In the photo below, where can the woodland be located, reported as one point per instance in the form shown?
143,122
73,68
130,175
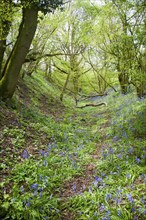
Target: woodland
72,109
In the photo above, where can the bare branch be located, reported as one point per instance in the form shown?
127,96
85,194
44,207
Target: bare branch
97,71
61,70
92,105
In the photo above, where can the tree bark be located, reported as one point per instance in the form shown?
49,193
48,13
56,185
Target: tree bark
2,50
124,82
14,64
64,87
5,25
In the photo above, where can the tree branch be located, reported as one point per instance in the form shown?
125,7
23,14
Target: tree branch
32,58
92,105
101,75
61,70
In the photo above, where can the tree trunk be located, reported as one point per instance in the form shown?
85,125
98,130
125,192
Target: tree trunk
6,17
5,26
124,82
17,57
2,50
64,87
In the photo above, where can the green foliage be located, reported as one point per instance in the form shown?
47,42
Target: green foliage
117,191
46,143
56,149
129,116
67,146
57,161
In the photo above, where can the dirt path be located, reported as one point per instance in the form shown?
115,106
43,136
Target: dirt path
80,184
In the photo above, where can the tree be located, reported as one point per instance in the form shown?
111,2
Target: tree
127,44
6,16
13,65
69,40
120,42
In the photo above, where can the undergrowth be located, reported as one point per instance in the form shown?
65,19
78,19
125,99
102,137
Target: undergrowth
50,150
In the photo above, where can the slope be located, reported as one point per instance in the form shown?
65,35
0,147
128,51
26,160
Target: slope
60,162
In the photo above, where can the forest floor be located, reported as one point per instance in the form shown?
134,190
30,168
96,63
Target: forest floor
60,162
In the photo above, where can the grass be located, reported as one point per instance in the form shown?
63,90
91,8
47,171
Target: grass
48,149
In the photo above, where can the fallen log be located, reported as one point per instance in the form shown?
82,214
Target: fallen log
92,105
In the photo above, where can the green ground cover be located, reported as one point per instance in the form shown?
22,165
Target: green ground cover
46,146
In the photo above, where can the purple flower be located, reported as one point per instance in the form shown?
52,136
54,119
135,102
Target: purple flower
118,200
42,152
28,204
25,154
131,150
45,163
108,196
34,186
62,154
119,156
104,154
41,194
111,150
103,185
98,179
133,209
130,198
137,160
108,215
119,191
74,187
128,176
102,208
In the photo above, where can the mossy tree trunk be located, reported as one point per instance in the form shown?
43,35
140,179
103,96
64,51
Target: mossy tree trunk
64,87
6,17
2,50
17,57
124,82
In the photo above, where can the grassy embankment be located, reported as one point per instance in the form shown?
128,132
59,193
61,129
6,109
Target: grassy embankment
60,162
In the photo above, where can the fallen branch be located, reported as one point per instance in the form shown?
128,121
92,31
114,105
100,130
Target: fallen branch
84,97
92,105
